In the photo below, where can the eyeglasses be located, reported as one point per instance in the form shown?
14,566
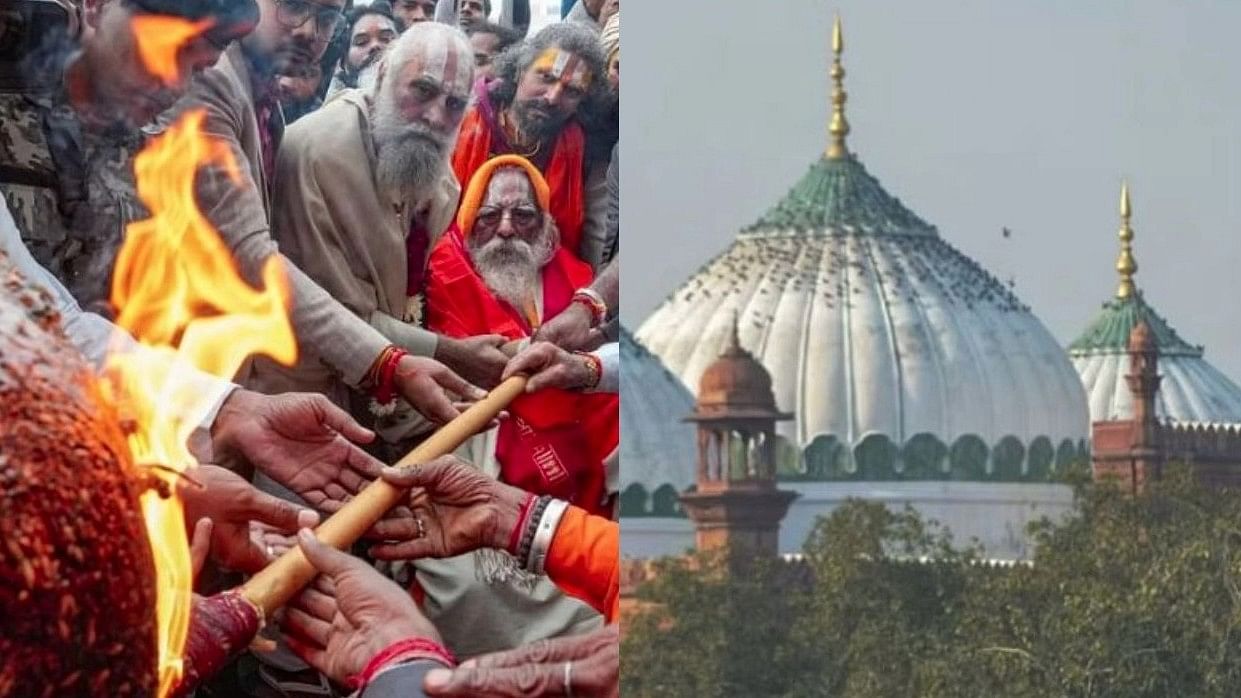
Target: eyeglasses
524,218
329,21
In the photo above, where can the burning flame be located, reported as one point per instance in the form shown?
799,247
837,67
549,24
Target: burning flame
181,296
160,38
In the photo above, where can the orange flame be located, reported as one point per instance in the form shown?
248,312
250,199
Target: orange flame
160,38
179,293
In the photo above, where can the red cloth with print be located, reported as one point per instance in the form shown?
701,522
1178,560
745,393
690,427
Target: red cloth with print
556,440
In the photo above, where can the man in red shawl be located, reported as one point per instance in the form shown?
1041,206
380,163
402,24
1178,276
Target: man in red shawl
501,270
534,107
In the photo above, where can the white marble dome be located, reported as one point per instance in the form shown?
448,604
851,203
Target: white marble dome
900,356
658,450
1191,389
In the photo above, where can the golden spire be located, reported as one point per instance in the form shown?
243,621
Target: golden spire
839,126
1126,265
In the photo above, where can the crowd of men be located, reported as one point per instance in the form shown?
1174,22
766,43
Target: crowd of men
440,187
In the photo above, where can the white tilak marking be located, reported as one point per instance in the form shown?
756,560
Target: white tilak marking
558,66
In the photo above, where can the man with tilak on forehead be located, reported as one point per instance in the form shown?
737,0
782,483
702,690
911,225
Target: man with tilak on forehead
533,107
362,191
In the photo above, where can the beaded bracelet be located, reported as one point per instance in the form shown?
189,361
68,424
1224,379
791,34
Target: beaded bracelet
532,524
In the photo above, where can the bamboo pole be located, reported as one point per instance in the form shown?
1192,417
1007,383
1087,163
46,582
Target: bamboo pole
275,584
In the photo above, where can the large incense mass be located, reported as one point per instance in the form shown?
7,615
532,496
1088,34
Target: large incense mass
77,584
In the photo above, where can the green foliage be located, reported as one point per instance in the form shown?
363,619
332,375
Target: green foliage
1130,596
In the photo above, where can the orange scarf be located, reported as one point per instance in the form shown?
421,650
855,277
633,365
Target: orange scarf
556,440
563,173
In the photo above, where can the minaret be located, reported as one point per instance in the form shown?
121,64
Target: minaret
838,128
736,506
1130,450
1143,380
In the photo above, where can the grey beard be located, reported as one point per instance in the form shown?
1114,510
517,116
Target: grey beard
410,162
511,268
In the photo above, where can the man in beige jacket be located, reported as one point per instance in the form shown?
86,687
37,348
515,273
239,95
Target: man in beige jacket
363,190
239,98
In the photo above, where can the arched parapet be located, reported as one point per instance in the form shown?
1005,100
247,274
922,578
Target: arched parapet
634,501
1007,458
665,502
924,457
1039,460
876,457
967,458
821,458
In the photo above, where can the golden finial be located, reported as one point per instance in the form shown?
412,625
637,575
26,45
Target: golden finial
839,126
1126,265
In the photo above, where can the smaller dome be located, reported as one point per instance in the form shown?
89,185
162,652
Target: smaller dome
658,448
736,384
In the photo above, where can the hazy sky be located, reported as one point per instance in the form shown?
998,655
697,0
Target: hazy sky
977,115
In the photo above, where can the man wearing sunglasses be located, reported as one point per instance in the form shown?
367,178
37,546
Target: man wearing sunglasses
240,100
503,270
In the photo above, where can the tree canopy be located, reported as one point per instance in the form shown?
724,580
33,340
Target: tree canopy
1130,595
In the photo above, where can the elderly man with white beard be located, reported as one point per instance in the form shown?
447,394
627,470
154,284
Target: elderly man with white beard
362,191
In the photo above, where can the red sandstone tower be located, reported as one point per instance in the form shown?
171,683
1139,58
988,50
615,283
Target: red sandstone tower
1143,380
1130,450
736,505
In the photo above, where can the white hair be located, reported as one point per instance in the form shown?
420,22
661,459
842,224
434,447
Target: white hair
412,156
425,38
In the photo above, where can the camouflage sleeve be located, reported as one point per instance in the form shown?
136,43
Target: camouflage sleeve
89,333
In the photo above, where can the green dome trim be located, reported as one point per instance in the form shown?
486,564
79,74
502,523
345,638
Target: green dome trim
1109,333
839,195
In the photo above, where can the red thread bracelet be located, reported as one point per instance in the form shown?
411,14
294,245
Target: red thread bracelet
514,538
402,651
384,392
598,311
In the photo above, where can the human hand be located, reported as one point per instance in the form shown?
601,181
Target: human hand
231,503
570,329
549,366
460,509
350,614
423,382
200,545
538,669
477,359
271,540
300,440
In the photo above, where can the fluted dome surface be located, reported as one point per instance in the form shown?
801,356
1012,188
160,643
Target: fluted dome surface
870,323
657,445
1192,390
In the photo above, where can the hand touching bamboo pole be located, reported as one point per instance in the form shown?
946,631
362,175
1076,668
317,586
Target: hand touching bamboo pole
272,587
